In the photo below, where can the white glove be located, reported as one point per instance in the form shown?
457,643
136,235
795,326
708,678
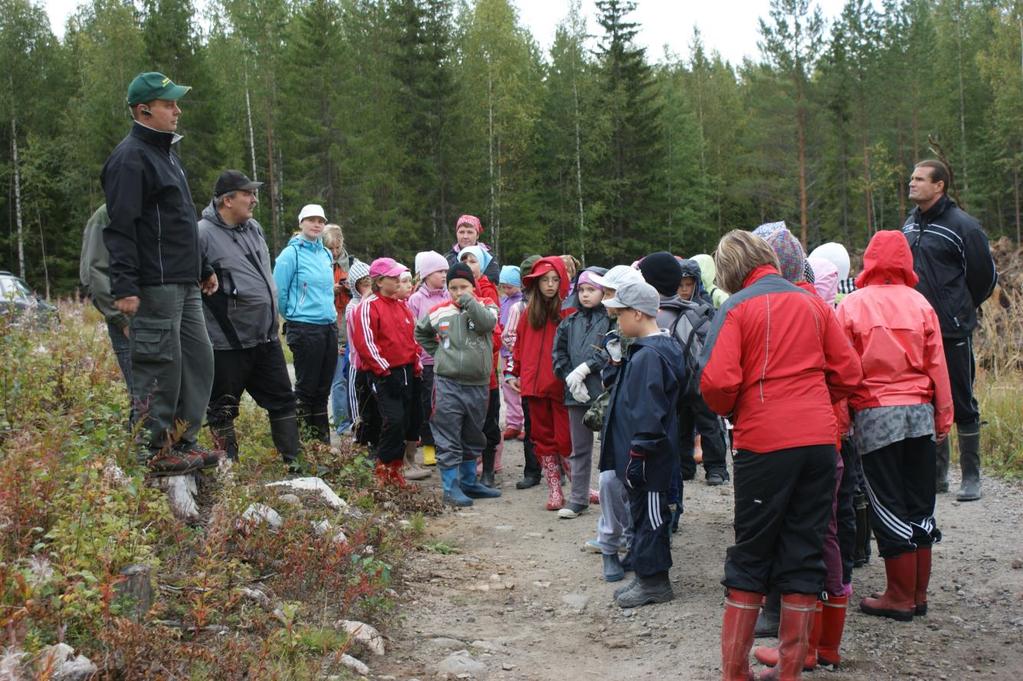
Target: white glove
614,350
576,382
579,393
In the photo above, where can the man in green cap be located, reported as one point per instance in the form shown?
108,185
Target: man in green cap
156,273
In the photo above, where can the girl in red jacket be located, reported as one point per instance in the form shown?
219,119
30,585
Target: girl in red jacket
775,356
902,407
383,338
533,370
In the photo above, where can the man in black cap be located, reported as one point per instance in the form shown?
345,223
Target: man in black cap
242,320
156,274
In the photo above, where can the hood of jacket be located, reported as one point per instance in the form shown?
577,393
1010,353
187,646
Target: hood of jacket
691,268
825,278
887,260
708,270
545,265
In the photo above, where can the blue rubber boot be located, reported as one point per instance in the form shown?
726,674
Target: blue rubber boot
452,492
469,484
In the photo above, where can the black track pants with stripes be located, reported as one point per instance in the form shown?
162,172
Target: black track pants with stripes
900,486
651,532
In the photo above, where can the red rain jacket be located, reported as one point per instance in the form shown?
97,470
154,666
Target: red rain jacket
896,333
382,334
776,361
533,355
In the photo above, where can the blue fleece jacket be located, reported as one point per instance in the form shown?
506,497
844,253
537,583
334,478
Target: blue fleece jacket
305,282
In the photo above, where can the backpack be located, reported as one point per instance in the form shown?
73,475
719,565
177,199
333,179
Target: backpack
699,319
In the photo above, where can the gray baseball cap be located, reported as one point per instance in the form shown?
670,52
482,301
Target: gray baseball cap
636,295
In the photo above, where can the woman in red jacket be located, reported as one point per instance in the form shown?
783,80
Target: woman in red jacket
774,362
533,370
902,407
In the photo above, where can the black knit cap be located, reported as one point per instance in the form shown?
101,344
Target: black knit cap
662,271
461,271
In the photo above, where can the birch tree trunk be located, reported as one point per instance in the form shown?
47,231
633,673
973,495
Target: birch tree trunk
17,196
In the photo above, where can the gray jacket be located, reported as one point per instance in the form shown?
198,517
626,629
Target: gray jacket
94,268
580,338
243,311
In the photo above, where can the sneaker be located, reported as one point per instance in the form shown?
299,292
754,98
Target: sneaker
593,546
716,477
647,590
174,463
211,458
572,511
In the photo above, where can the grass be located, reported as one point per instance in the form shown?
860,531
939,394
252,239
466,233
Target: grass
68,529
1001,406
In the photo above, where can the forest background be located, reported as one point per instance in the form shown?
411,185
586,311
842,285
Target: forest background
400,115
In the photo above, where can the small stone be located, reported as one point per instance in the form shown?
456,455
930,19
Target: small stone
317,485
1017,564
290,499
460,663
507,666
258,514
358,666
576,601
365,634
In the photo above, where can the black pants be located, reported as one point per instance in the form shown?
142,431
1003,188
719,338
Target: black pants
492,423
651,532
314,348
782,509
397,397
961,372
846,514
531,468
697,416
367,415
426,405
263,373
900,486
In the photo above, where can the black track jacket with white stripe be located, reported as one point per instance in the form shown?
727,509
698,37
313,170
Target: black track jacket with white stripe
952,257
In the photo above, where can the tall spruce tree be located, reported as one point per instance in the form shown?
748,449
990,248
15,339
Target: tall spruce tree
630,186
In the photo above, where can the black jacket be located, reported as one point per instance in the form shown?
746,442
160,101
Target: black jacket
642,414
152,237
952,257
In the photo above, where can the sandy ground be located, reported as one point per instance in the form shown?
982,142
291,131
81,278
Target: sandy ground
528,603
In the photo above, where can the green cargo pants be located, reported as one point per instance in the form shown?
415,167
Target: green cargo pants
172,364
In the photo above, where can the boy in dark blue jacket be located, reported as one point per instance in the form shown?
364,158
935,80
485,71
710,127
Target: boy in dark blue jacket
641,438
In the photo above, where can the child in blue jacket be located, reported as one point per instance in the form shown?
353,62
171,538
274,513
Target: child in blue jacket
641,436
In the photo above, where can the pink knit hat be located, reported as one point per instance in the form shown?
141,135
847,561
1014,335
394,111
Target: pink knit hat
428,262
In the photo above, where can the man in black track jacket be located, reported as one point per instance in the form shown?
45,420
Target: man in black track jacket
952,257
156,272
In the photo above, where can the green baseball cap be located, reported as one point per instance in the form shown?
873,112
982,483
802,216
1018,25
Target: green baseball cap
152,85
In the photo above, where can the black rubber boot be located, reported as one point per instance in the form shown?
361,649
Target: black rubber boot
861,554
284,432
941,469
487,476
652,589
969,462
769,617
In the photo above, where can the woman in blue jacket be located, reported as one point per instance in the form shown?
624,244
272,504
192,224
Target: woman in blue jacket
305,295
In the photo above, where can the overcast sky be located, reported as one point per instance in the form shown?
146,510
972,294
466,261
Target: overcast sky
728,26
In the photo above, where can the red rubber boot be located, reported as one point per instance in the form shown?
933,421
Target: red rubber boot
798,612
832,626
769,656
552,470
923,579
741,610
898,600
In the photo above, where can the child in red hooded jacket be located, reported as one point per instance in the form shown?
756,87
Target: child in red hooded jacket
902,409
533,370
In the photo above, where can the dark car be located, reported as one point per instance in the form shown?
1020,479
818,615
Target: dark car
19,303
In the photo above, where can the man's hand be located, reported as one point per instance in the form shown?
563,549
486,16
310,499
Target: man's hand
126,331
209,285
940,437
128,305
635,470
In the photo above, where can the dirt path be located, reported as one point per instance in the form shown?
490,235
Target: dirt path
528,603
